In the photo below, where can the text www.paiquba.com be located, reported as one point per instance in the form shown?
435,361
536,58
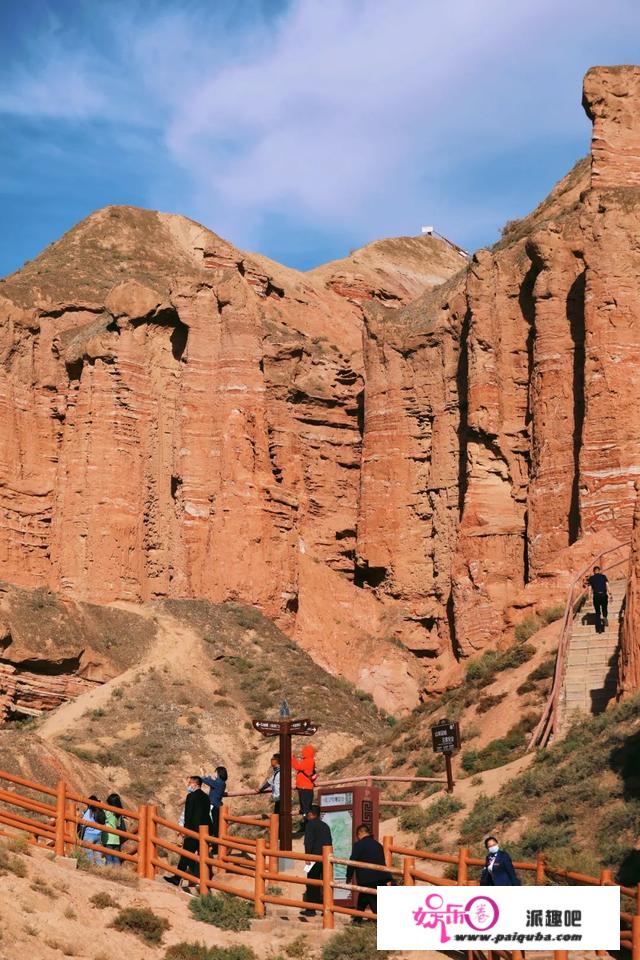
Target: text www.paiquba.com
518,937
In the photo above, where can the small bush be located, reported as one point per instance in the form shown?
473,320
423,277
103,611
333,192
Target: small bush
483,667
551,614
17,845
418,819
516,655
198,951
40,886
500,751
223,910
11,864
143,923
355,943
298,949
544,670
489,701
527,627
103,900
483,670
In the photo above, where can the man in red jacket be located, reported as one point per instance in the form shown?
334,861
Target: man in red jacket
305,781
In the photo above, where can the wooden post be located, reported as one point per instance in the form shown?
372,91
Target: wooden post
61,810
273,842
70,833
606,879
223,831
635,938
152,813
141,865
447,760
285,785
463,869
387,843
516,955
258,893
540,869
328,919
203,853
407,872
561,954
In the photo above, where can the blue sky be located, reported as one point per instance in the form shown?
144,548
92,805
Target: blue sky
297,128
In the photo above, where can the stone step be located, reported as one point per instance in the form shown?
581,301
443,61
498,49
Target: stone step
589,683
592,658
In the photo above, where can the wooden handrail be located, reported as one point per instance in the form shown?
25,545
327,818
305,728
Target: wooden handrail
546,726
267,857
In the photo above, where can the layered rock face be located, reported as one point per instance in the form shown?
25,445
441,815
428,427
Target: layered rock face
383,454
629,653
538,354
182,420
52,651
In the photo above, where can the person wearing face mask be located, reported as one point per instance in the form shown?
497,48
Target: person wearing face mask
196,813
498,869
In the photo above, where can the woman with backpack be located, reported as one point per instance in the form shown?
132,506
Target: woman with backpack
306,777
91,830
116,820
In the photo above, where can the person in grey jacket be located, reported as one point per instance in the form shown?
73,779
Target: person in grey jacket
272,783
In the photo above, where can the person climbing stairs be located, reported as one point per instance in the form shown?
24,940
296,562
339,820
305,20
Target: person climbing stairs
591,673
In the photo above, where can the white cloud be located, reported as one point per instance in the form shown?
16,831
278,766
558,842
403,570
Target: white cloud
333,111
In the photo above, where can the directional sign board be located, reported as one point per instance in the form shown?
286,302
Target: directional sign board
445,736
268,728
273,728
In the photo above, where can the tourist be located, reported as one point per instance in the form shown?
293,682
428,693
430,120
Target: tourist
272,783
305,782
367,849
316,836
498,869
217,789
91,830
601,593
117,821
196,813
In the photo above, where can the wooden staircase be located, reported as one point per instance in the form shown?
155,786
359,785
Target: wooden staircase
591,673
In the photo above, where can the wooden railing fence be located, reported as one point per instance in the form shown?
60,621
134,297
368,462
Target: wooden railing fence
245,865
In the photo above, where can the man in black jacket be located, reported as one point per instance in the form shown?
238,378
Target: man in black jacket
367,849
196,813
316,836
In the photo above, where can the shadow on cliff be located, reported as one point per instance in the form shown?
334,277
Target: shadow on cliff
625,761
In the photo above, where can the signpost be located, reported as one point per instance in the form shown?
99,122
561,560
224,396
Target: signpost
285,728
445,736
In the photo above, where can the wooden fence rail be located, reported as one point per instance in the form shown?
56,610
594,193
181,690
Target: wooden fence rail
258,859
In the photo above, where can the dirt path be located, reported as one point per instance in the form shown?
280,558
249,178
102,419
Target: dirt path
171,637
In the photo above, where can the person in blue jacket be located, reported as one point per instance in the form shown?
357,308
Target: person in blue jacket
498,869
217,788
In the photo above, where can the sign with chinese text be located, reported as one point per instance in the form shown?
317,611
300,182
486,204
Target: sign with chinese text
445,736
499,918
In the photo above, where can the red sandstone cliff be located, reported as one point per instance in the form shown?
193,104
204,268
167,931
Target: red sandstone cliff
181,419
497,424
184,420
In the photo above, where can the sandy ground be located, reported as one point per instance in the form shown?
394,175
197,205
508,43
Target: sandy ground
48,914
